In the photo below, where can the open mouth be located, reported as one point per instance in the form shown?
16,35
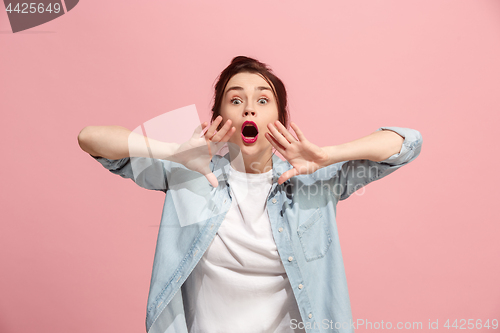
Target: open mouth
249,132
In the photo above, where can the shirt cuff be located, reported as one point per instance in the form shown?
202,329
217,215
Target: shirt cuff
410,148
111,164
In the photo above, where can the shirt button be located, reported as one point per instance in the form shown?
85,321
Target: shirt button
310,315
290,258
280,229
274,201
301,286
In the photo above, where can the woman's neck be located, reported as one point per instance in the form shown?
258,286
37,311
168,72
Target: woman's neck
258,163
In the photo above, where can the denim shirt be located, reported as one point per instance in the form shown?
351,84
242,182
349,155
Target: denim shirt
302,212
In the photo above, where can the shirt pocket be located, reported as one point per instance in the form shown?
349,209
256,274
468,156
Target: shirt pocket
314,236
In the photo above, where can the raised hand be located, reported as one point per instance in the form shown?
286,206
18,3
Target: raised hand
304,156
196,153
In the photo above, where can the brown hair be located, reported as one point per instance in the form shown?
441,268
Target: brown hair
249,65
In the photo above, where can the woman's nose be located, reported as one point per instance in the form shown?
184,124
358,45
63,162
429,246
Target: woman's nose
249,110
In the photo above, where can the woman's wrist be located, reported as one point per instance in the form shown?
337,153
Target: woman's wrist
333,155
141,146
164,150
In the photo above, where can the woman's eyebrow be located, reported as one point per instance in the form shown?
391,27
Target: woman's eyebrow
241,88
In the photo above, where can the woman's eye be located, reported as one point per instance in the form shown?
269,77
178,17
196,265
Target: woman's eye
262,101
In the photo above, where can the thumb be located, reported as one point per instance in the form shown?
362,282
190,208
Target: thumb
212,179
287,175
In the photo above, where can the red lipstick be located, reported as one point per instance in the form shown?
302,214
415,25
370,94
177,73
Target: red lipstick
252,132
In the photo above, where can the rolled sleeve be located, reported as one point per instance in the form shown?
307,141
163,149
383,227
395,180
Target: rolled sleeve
410,148
115,166
354,174
148,173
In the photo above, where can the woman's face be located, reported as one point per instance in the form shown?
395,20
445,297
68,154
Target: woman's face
248,100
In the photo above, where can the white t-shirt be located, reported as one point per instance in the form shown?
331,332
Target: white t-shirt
240,284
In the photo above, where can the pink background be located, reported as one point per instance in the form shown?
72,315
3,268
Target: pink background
77,242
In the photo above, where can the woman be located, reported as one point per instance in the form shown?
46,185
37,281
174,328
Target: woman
252,245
